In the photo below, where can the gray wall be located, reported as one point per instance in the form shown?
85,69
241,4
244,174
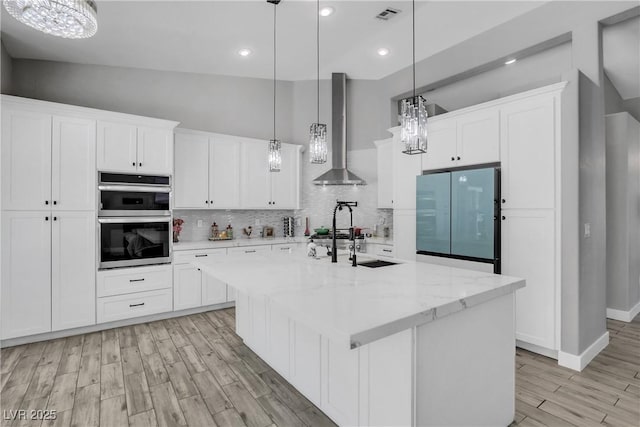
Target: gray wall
614,102
224,104
6,71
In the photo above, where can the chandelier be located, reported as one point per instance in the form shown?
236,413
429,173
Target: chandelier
275,148
413,113
318,131
71,19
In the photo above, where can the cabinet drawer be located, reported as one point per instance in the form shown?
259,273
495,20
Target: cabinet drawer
285,248
129,280
249,250
186,257
134,305
384,250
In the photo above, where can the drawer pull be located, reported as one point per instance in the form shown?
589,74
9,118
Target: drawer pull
136,280
386,250
249,252
136,305
201,255
284,249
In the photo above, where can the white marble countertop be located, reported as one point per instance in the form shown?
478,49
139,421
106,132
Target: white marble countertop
358,305
256,241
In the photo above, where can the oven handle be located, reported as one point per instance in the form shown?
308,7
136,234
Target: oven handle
135,188
133,219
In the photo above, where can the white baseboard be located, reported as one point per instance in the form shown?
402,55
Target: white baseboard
623,316
579,362
553,354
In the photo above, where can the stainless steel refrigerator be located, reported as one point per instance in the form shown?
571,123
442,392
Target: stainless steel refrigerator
457,214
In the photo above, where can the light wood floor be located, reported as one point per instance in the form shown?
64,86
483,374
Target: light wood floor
195,371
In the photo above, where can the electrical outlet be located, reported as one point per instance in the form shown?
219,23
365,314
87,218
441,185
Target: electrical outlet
200,223
587,230
257,221
299,222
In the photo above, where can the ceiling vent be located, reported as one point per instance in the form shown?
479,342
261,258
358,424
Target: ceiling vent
388,13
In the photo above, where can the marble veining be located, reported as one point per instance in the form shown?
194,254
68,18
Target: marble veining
358,305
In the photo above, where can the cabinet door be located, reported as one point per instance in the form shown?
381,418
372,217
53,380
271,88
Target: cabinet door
385,173
527,152
73,270
441,144
116,147
528,251
406,169
187,287
213,290
305,362
285,185
26,273
255,179
340,382
73,165
155,151
224,173
404,234
278,354
26,160
191,178
478,137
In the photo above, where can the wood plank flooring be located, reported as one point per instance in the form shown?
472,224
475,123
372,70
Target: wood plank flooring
195,371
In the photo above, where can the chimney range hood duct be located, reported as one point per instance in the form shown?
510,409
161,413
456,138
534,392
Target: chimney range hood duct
339,174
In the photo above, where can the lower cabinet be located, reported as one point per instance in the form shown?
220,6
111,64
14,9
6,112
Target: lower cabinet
192,288
48,271
138,304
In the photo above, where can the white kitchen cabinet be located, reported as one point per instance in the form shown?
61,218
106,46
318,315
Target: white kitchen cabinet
384,154
478,137
26,273
305,362
404,234
207,171
26,160
528,135
187,287
442,139
119,281
262,189
224,173
340,382
249,250
528,251
127,148
128,306
379,249
406,167
73,270
73,164
279,342
213,291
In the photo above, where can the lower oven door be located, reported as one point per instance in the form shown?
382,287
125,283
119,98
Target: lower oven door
133,241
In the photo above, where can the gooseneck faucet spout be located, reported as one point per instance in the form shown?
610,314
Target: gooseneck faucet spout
334,249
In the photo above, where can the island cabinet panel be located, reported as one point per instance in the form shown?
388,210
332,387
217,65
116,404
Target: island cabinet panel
305,361
258,325
279,342
340,382
471,352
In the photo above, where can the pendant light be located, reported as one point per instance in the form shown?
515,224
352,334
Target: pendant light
413,112
318,131
71,19
275,147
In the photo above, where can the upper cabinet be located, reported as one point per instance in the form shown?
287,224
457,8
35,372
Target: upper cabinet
48,161
262,189
125,147
385,172
207,173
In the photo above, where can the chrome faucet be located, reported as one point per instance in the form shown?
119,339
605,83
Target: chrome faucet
352,236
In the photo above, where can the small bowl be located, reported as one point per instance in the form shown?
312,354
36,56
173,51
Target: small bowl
321,231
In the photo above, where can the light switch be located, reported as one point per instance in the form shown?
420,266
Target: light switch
200,223
587,230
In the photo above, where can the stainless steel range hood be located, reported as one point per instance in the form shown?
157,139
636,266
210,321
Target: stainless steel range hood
339,174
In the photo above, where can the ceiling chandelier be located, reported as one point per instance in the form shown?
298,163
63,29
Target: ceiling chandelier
413,112
71,19
318,131
275,147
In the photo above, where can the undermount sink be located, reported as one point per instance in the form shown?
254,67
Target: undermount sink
376,263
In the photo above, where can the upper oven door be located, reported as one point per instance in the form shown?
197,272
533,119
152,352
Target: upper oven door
127,200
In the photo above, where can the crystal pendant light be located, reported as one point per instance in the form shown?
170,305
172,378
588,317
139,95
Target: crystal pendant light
275,153
72,19
413,112
318,131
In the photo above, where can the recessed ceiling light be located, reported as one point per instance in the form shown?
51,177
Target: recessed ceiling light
244,52
326,11
383,51
511,61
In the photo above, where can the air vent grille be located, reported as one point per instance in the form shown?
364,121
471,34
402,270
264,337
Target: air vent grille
388,13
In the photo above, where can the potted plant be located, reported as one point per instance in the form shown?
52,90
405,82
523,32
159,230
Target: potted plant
177,228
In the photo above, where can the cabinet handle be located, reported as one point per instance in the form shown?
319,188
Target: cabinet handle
136,280
46,218
55,218
273,203
140,164
269,202
386,250
201,255
199,270
55,202
206,201
211,202
453,158
136,305
504,201
284,249
458,157
46,202
249,252
133,164
504,217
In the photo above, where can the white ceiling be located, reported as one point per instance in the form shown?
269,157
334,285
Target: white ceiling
621,56
204,36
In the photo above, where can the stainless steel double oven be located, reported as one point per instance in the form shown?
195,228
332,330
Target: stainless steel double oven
134,220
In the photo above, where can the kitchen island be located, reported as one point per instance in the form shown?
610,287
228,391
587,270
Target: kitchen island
406,344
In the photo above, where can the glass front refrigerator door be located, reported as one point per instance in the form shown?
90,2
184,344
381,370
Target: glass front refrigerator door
433,208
